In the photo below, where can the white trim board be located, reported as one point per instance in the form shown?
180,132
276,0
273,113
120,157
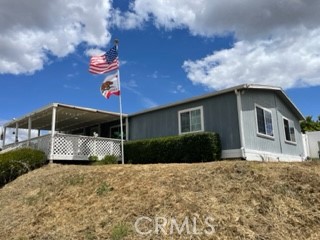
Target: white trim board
254,155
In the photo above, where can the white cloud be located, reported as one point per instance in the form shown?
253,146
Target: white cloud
30,30
276,42
179,89
148,102
71,87
72,75
123,62
94,52
132,86
290,61
155,75
246,18
127,20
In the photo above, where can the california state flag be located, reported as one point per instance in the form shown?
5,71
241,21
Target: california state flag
110,86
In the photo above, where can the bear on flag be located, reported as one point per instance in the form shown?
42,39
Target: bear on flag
110,86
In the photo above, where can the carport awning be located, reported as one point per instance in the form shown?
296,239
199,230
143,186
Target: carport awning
68,118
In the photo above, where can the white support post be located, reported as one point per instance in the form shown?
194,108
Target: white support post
53,129
29,130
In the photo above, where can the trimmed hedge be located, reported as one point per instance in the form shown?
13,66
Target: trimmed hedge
189,148
20,161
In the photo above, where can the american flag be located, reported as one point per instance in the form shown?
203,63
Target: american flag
104,63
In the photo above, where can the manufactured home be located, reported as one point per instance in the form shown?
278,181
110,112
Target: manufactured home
255,122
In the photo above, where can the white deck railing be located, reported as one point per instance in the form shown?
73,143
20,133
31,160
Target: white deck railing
41,143
71,147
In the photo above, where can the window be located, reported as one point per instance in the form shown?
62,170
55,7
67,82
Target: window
115,131
289,130
191,120
264,121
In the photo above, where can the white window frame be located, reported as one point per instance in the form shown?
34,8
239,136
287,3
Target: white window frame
291,124
257,124
190,110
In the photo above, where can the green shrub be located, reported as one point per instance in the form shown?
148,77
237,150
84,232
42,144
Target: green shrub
189,148
120,231
108,159
17,162
93,158
103,189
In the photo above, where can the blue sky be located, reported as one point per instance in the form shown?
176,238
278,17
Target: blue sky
169,50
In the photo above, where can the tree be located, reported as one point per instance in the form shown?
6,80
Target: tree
309,125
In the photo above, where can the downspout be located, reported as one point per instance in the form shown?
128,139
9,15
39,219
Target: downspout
127,128
278,125
239,108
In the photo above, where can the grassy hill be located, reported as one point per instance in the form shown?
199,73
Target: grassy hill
242,200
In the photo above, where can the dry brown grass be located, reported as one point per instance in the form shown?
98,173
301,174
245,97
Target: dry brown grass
247,200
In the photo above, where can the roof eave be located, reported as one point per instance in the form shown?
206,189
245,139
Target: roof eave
227,90
12,123
212,94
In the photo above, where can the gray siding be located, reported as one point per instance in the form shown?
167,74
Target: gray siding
220,116
271,101
288,148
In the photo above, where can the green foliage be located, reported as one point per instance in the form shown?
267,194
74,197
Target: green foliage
89,233
309,125
108,159
93,158
119,231
20,161
103,189
75,180
189,148
34,198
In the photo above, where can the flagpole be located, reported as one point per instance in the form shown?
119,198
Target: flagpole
116,42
